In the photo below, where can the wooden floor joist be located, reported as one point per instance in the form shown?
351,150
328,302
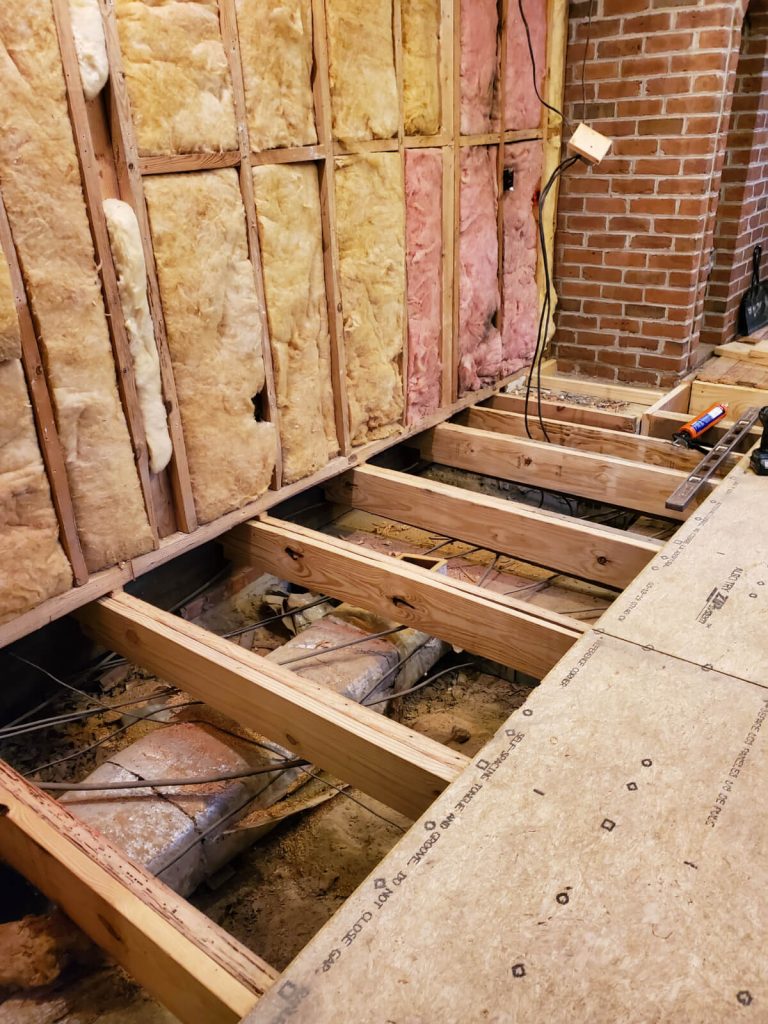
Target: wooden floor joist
401,768
190,964
511,632
598,477
596,553
636,447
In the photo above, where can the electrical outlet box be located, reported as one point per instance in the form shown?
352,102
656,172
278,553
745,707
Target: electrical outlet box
588,143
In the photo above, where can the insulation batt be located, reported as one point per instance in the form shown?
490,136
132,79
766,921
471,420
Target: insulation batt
33,565
521,105
521,294
371,233
42,191
479,339
90,45
276,52
288,213
421,66
424,244
177,76
214,332
479,27
128,255
361,57
10,339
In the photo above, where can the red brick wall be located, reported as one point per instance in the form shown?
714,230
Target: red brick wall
742,214
635,233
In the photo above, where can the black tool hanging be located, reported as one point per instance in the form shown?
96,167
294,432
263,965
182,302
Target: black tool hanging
753,310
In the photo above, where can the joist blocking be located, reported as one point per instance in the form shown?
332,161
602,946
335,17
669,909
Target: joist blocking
634,447
598,477
404,770
198,971
581,549
511,632
568,412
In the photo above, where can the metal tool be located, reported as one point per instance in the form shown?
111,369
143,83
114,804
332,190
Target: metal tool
682,496
758,460
691,432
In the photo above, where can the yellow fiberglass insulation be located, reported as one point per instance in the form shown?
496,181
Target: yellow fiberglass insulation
288,213
371,233
214,332
10,340
421,66
42,191
177,76
33,565
362,69
276,51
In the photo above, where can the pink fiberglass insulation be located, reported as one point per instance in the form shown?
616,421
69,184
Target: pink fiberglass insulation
479,27
479,339
521,105
521,297
424,243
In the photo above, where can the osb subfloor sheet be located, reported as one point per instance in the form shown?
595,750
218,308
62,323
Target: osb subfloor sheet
604,857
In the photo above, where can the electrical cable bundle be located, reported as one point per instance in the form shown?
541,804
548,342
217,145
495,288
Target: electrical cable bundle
546,306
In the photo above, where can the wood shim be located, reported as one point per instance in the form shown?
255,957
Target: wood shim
44,199
214,335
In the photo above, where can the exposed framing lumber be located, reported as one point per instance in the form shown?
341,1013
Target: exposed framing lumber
636,447
663,424
321,91
602,478
89,172
42,409
189,162
567,411
401,768
128,164
739,399
190,964
511,632
397,39
176,544
599,554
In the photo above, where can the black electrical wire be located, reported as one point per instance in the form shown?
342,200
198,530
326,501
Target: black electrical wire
423,683
10,732
173,783
542,101
544,317
110,736
584,63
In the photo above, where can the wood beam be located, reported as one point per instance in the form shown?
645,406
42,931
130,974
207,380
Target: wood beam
181,957
663,424
598,477
635,447
511,632
404,770
567,411
596,553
